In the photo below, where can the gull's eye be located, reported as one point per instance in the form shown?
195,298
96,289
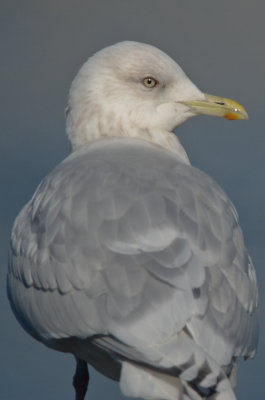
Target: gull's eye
149,82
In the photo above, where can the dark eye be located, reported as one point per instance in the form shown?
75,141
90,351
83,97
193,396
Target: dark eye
149,82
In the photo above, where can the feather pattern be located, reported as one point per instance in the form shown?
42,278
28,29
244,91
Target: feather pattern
148,268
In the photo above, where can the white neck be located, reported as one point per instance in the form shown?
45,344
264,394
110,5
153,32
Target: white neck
82,129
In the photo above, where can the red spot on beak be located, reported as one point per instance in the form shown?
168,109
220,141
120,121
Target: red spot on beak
231,116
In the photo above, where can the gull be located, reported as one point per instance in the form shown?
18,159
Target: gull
127,256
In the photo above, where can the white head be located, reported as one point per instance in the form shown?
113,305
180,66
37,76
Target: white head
132,90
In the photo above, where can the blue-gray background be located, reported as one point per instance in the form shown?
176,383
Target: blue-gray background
220,44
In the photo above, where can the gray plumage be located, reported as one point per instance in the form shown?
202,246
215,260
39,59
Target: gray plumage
134,261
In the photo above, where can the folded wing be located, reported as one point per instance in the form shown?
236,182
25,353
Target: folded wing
126,245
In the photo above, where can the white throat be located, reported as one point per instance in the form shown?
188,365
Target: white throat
84,129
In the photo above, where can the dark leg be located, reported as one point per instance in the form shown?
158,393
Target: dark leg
80,379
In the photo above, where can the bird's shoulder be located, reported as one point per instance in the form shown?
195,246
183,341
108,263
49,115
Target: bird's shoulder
130,223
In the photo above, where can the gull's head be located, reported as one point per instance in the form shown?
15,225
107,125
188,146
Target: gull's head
135,90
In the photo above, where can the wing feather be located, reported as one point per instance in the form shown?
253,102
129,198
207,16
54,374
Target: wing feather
125,243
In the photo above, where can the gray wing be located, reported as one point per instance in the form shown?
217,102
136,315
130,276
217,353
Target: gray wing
124,243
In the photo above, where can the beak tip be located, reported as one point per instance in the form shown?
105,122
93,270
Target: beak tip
230,116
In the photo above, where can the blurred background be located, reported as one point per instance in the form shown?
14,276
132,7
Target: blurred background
220,45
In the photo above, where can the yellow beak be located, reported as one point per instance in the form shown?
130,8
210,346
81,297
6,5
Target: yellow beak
218,107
